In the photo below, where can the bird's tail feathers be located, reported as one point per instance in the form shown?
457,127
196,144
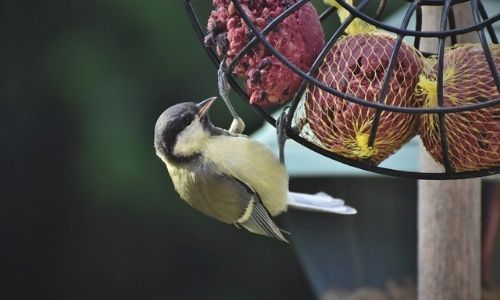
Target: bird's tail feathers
320,202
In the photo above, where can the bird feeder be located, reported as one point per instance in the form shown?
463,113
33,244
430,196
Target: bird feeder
441,110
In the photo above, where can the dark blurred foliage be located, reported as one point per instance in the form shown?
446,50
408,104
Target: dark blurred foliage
87,209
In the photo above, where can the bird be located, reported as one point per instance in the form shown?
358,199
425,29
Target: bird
229,176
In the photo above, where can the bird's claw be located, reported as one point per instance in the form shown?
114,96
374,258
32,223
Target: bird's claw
237,126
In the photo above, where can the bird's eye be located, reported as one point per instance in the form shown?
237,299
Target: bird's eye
187,119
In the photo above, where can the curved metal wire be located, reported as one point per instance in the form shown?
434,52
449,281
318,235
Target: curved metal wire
440,88
481,22
408,32
388,72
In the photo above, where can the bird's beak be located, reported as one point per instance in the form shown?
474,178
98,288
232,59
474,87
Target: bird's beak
204,106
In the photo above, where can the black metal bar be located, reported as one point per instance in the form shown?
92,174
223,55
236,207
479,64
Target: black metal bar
484,44
451,19
491,31
389,71
317,63
198,30
418,27
392,172
440,88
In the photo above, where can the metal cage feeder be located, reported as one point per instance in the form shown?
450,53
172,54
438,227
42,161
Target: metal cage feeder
483,26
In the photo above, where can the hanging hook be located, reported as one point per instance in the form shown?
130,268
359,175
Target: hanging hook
237,126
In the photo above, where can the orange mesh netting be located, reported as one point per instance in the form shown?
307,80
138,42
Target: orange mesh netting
356,66
474,136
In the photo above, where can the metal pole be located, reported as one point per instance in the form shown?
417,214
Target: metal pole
449,212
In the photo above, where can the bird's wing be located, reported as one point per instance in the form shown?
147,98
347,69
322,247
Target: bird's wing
218,195
260,222
228,199
256,218
255,165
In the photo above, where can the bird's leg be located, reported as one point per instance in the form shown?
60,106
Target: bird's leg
282,136
237,126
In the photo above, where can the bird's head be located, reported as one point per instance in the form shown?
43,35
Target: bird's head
182,130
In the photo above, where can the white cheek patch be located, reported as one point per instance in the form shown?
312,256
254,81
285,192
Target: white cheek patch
191,140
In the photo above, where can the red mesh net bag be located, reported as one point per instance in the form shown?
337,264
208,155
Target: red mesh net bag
299,37
356,65
473,136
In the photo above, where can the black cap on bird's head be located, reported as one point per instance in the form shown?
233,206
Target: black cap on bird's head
186,124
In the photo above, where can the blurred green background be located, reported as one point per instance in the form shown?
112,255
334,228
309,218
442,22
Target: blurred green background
88,210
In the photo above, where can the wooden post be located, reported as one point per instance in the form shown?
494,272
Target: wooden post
449,212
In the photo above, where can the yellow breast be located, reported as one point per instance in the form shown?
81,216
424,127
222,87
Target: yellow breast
252,163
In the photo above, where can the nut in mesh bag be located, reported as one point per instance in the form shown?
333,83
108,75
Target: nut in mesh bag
473,137
356,66
299,37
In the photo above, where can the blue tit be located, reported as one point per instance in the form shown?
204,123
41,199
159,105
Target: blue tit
228,176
